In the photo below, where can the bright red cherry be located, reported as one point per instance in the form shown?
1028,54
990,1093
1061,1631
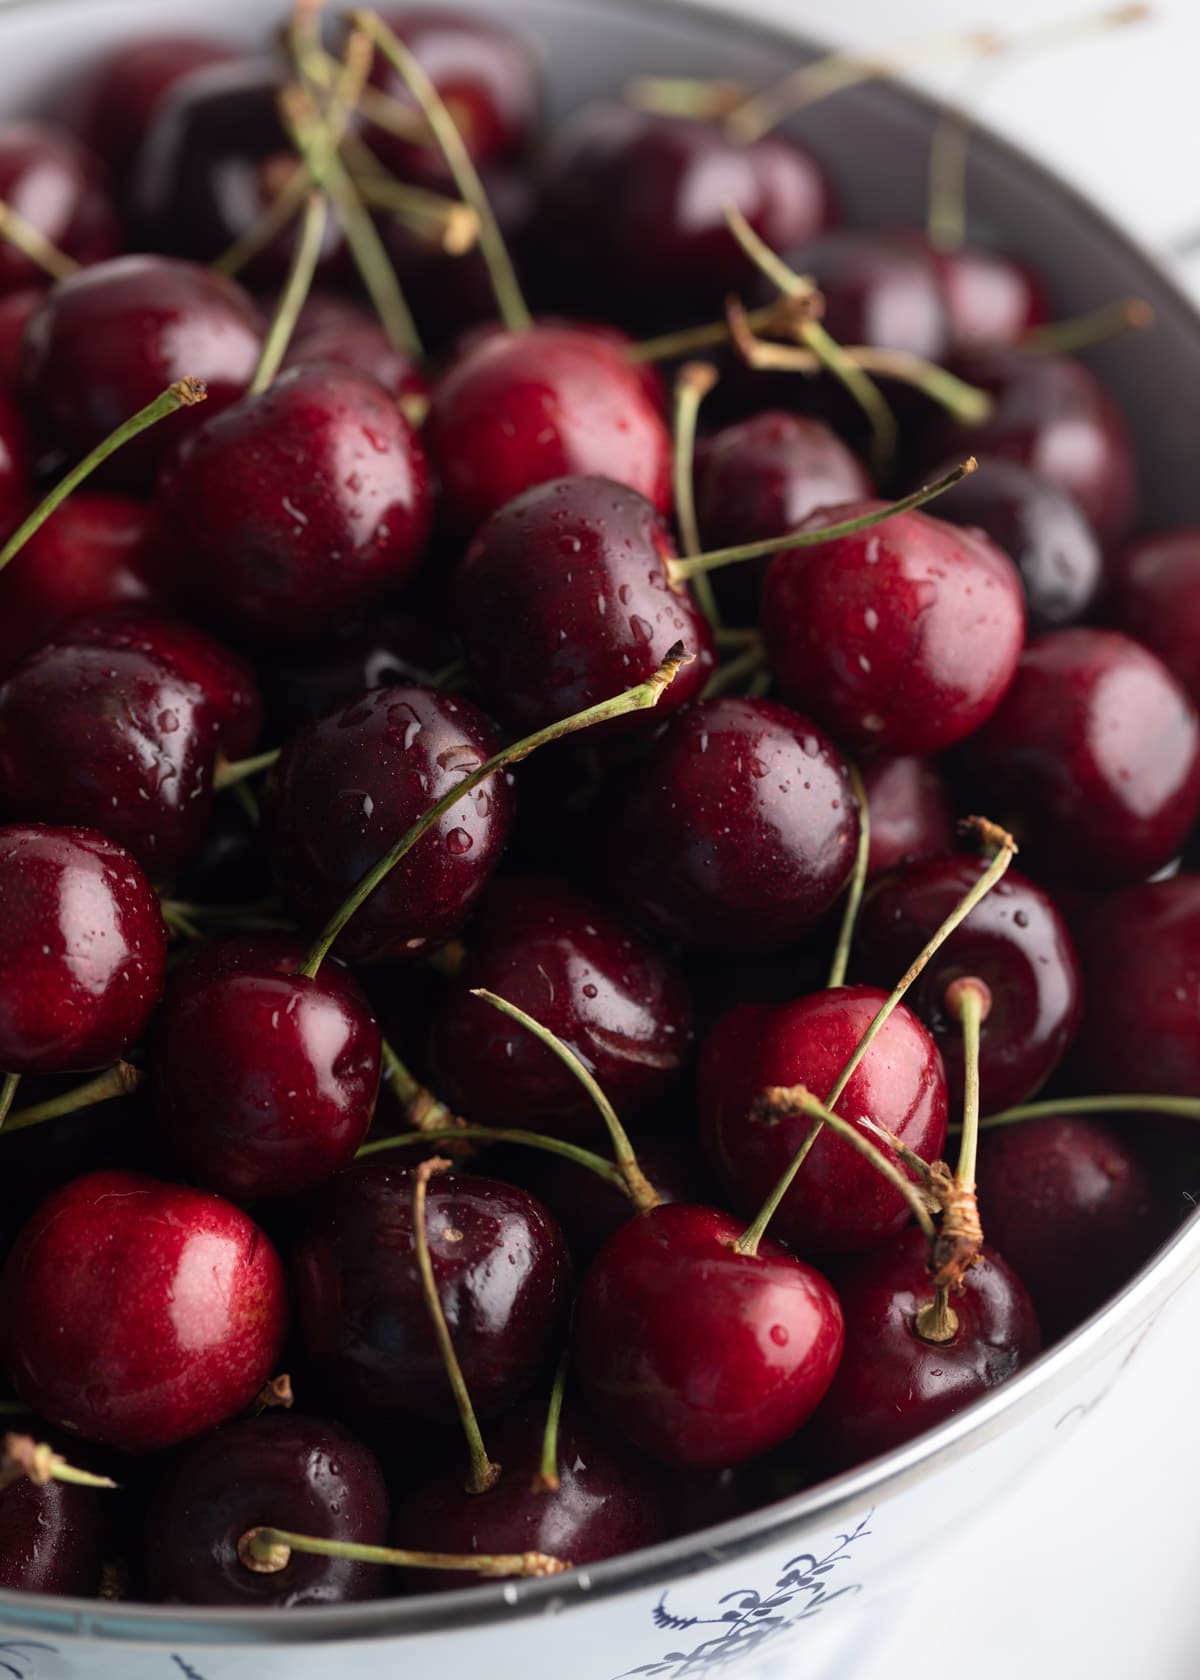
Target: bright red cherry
838,1203
138,1313
84,952
737,830
1093,759
325,503
15,310
112,104
1153,594
348,786
518,409
911,812
882,289
55,185
54,1538
992,299
697,1354
15,467
901,639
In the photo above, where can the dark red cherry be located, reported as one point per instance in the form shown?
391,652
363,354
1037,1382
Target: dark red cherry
595,984
879,288
15,310
518,409
1152,592
354,339
891,1385
274,1471
838,1203
15,467
901,639
737,830
348,786
992,299
54,1539
1015,941
325,503
606,1503
632,210
111,105
699,1355
1043,531
376,649
1138,950
138,1313
107,341
265,1080
911,812
565,599
1073,1207
95,552
503,1277
1093,757
55,185
84,951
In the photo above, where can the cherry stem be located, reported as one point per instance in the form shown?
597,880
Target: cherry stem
858,882
279,215
305,258
686,96
969,1000
1061,338
727,678
276,1394
185,393
960,1237
547,1478
423,1111
685,569
692,384
229,772
8,1090
494,1134
936,1321
455,224
706,337
24,1459
33,244
483,1473
509,301
1184,1108
267,1551
120,1080
639,698
641,1192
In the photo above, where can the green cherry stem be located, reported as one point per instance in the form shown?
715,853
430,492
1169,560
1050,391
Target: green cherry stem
1082,332
454,225
229,772
493,1134
742,668
8,1090
693,383
1149,1102
120,1080
33,244
266,1551
24,1459
858,882
547,1478
299,283
423,1111
639,698
185,393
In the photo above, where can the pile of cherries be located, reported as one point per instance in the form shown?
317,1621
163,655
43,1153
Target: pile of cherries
491,959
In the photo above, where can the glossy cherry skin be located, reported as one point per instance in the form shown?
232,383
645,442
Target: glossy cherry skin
15,489
279,1470
346,789
49,179
1015,941
738,829
564,599
52,1538
111,105
879,288
1093,757
380,648
109,340
84,952
1043,531
594,983
139,1314
265,1080
353,338
1074,1209
991,298
607,1502
701,1356
631,212
503,1277
1142,989
891,1385
15,310
1153,593
324,496
838,1203
911,812
514,410
901,639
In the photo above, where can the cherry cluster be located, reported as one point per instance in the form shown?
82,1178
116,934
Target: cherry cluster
497,943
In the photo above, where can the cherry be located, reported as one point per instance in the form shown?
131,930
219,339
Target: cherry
565,598
1094,755
111,105
55,185
700,1355
992,299
265,1080
138,1313
911,812
350,784
278,1470
14,467
632,209
1041,528
881,289
838,1203
325,502
53,1537
107,341
737,830
85,949
514,410
354,339
1073,1208
605,1503
380,649
15,310
1153,594
892,1385
503,1278
597,986
1015,941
